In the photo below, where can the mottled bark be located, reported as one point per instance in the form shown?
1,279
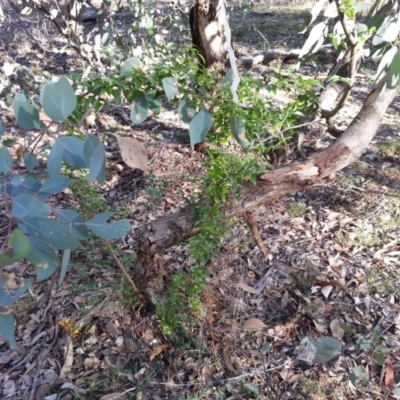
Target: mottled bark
208,33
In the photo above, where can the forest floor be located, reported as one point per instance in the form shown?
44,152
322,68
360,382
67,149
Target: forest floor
332,267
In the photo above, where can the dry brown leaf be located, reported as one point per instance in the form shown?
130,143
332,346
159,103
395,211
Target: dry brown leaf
133,152
247,288
227,360
115,396
326,290
91,363
254,324
336,329
389,374
20,151
69,358
158,350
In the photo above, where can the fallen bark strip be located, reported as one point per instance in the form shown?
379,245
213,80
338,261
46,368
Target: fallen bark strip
162,233
266,56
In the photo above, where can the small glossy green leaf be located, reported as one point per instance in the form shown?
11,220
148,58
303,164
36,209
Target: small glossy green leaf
74,223
30,161
105,230
5,160
26,206
199,126
7,328
17,248
239,130
26,115
186,111
58,99
44,257
55,184
129,65
170,86
139,111
73,151
51,232
54,161
64,265
11,291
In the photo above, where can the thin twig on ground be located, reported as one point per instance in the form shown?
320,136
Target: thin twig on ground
121,266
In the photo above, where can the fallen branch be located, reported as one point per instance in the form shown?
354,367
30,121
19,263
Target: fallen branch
266,56
162,233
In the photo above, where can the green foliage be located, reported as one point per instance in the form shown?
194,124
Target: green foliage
180,309
45,231
297,210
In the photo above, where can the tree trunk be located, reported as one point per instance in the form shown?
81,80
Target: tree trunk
158,235
208,33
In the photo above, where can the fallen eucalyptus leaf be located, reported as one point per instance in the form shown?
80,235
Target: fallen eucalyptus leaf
253,324
133,152
321,350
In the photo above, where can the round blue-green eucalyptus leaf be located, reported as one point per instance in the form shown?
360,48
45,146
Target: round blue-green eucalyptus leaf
7,327
58,99
170,86
95,156
74,223
186,111
30,161
394,71
5,160
44,257
239,130
27,115
73,151
154,104
114,230
54,161
25,206
199,126
129,65
10,290
51,232
139,111
55,184
17,248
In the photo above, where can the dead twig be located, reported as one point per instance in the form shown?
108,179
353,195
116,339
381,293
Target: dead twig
121,266
255,232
